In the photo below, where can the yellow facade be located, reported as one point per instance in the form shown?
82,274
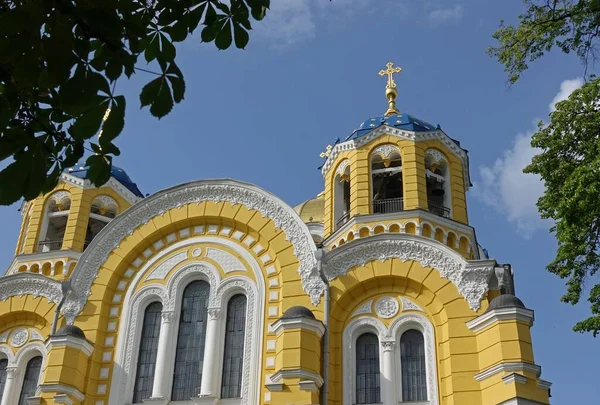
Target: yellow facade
217,292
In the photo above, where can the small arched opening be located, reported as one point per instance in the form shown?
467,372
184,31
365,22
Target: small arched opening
55,222
341,194
437,172
386,179
103,210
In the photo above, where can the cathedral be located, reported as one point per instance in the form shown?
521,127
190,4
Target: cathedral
217,292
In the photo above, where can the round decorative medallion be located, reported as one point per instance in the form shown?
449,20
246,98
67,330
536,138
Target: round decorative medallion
196,252
387,307
19,337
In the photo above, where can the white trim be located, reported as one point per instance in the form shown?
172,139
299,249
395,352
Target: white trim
514,378
63,399
234,192
500,314
111,183
281,375
471,278
402,134
54,256
19,362
61,388
221,290
520,401
508,366
299,323
70,341
543,384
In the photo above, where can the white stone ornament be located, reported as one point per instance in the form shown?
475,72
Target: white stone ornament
386,150
35,335
31,284
435,155
19,337
364,308
165,267
387,307
408,305
225,259
4,336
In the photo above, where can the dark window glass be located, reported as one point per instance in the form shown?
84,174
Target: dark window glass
3,365
31,379
368,389
144,377
412,360
233,357
190,342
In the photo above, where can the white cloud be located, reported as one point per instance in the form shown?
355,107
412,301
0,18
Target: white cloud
504,186
287,22
446,15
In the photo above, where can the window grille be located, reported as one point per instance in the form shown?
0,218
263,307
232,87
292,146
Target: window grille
368,388
3,366
412,363
31,379
191,338
233,357
144,377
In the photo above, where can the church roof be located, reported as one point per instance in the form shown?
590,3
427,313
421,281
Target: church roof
119,174
312,210
402,121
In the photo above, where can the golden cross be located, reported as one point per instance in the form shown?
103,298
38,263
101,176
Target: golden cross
327,152
390,72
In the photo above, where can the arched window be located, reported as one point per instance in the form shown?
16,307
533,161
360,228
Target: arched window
233,357
368,387
191,338
386,181
144,377
31,379
55,222
3,366
341,194
438,183
103,210
412,364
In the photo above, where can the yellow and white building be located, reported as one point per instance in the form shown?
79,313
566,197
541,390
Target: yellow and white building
217,292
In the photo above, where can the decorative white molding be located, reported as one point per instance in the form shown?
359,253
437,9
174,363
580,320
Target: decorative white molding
187,274
59,196
19,337
520,401
385,150
299,323
63,399
389,339
230,191
384,130
508,366
342,167
105,201
226,260
306,375
35,335
161,271
63,389
543,384
364,308
501,314
470,277
66,257
16,285
4,336
387,307
436,155
409,305
514,378
70,341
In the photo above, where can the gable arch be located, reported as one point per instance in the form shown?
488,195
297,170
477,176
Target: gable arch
230,191
471,278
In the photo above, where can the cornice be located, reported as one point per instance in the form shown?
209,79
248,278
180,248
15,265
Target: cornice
36,285
299,323
70,341
501,314
39,257
61,388
305,375
509,366
402,134
470,277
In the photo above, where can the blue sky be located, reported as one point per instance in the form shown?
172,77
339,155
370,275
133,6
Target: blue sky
309,75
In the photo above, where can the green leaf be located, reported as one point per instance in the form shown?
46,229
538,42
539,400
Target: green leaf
88,124
163,104
150,91
12,178
114,124
167,49
179,30
209,33
152,49
178,88
241,36
223,39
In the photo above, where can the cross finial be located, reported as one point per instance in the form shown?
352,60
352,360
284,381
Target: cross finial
327,152
391,84
390,88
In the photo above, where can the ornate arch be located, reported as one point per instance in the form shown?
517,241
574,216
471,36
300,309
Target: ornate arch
470,277
195,271
230,191
30,284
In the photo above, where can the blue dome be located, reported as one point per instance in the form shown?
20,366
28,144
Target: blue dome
119,174
402,121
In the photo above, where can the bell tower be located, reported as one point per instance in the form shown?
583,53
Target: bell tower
397,173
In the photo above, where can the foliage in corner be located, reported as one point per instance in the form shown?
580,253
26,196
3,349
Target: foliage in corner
569,162
60,61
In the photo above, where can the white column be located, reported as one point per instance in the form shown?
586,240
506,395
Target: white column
209,367
388,385
12,375
159,387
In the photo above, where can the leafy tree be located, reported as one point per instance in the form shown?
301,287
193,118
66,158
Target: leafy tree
569,161
60,62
